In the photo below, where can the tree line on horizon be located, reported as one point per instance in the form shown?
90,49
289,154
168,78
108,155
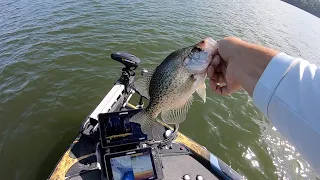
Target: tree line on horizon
311,6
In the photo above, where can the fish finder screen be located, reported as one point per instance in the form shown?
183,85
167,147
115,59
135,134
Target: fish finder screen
117,130
136,167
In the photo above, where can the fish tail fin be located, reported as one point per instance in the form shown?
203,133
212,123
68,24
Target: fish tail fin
145,120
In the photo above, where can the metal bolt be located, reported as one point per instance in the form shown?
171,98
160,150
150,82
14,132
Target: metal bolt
199,177
186,177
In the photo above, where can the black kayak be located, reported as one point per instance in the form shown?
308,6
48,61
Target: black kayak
109,146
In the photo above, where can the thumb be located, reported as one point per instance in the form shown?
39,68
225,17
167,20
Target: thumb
215,61
212,71
229,88
225,77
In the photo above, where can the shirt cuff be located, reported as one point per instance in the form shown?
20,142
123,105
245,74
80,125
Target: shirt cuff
270,79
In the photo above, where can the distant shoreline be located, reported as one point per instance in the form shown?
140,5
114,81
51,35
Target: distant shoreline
310,6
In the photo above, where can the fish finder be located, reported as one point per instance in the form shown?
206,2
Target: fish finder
126,152
117,130
135,164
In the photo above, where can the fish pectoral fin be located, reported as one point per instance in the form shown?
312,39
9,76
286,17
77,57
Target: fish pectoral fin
202,92
176,115
142,84
145,120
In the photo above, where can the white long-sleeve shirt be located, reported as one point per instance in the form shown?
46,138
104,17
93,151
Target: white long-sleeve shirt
288,93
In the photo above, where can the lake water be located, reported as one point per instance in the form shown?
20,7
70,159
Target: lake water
55,68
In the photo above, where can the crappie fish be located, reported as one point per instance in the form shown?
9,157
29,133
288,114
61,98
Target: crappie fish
171,85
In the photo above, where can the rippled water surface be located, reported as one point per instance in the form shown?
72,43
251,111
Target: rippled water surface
55,68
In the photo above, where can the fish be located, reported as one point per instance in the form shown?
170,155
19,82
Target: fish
171,85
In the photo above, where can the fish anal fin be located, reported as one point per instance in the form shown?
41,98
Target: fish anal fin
142,84
202,91
177,115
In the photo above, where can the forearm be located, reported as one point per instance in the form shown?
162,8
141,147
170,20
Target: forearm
288,94
285,89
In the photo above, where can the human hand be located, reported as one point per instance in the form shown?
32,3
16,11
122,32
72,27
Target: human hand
237,64
220,70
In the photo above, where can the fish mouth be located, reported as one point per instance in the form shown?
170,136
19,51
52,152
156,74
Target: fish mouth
200,55
196,49
197,62
208,44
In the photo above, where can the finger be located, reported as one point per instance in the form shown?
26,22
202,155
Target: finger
214,52
223,90
216,77
216,81
221,78
218,69
228,89
215,61
214,46
211,72
223,68
221,71
213,84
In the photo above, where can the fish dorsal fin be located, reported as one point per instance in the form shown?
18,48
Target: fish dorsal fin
177,115
202,91
142,84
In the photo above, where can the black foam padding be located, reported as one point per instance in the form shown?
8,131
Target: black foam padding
84,165
88,175
84,146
